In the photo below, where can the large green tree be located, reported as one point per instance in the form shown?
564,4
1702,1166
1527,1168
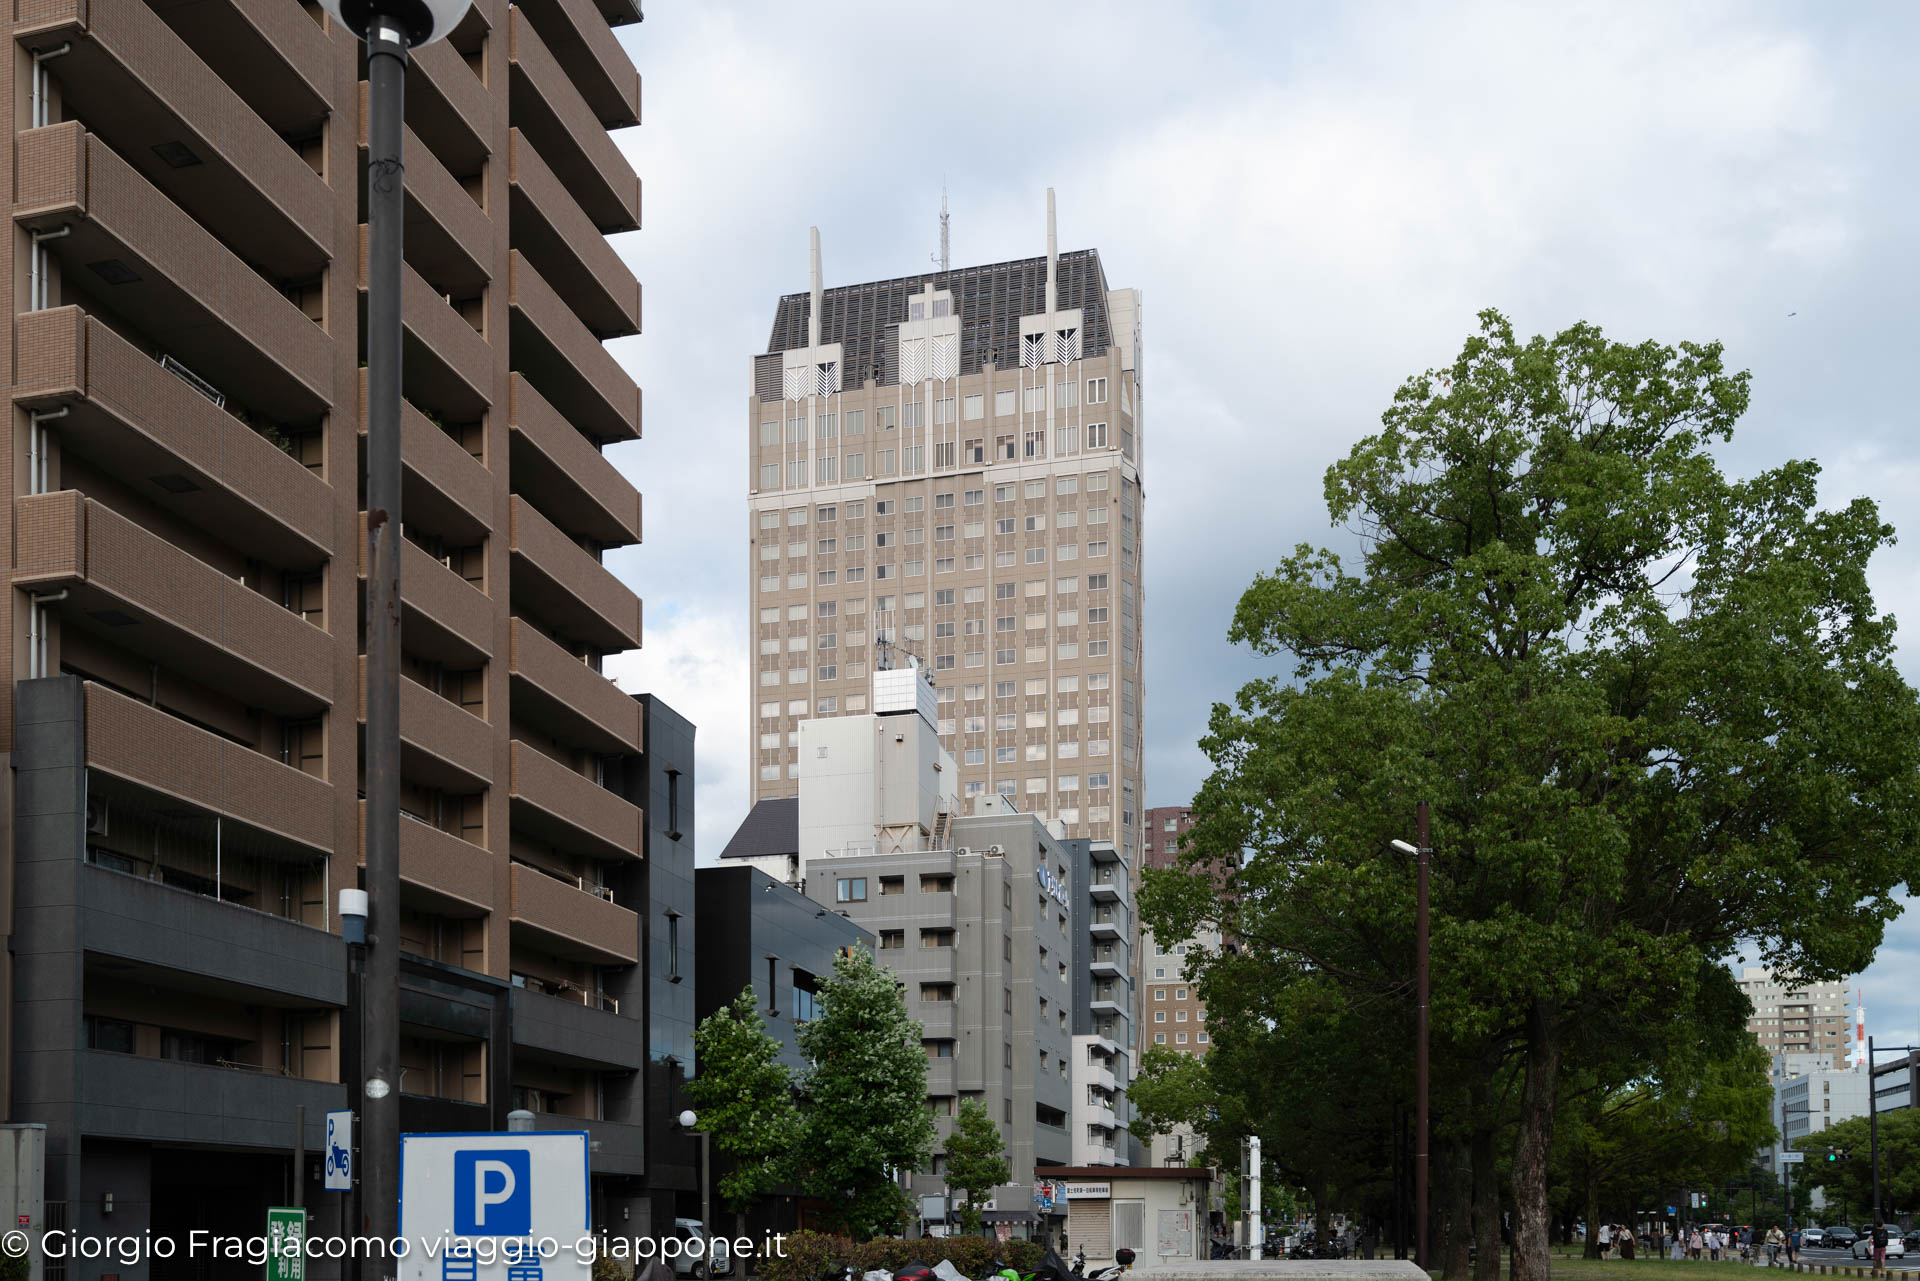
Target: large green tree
1850,1177
743,1096
863,1097
1654,708
976,1160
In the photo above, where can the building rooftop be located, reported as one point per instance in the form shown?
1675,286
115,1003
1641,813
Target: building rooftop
772,827
990,301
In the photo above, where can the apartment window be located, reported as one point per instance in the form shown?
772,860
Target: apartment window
883,418
1066,439
1003,403
796,430
769,475
1159,1038
1096,391
826,470
856,466
936,883
883,463
828,425
1067,485
936,992
1036,555
856,422
796,473
770,432
850,889
1004,689
1096,439
973,407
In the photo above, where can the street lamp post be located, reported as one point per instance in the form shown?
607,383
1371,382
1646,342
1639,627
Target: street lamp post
689,1122
1422,855
390,28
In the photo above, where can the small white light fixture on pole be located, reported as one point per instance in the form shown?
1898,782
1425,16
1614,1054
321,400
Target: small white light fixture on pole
1423,855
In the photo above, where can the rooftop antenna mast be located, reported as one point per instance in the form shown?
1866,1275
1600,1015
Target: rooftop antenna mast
943,258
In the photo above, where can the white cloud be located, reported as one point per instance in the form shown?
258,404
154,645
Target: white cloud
693,662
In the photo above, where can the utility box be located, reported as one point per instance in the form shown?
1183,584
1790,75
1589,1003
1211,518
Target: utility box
23,1188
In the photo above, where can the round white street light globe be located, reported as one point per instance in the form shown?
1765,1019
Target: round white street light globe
688,1120
424,21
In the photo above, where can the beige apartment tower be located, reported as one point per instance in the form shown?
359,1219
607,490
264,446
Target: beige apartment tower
948,466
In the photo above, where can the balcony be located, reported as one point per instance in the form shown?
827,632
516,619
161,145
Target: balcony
570,922
556,690
134,82
262,958
145,746
441,743
142,593
1096,1114
577,1034
439,872
1109,1003
557,120
563,359
565,586
445,231
1104,967
1104,852
1106,887
937,1019
617,1147
168,443
557,235
447,107
552,803
445,364
443,488
127,1096
443,616
583,43
1098,1077
560,471
1106,929
154,266
276,54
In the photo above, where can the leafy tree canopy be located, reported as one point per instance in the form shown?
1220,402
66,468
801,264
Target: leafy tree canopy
976,1159
744,1099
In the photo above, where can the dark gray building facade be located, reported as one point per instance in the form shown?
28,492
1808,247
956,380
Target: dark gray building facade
667,943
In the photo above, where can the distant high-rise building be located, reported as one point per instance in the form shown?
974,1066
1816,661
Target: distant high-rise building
1815,1019
948,465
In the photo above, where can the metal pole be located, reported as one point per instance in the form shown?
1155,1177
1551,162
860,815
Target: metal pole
1420,1048
706,1193
1873,1134
386,77
299,1154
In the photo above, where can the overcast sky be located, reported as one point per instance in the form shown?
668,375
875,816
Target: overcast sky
1316,201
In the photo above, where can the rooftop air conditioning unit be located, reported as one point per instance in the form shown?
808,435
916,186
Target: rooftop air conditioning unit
96,816
962,851
997,851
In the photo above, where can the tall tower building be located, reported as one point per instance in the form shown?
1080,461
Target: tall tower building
948,465
187,389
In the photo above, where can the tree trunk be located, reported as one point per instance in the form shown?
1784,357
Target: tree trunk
1459,1215
1534,1145
1486,1200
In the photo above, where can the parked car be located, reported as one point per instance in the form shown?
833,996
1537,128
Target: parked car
691,1263
1839,1238
1912,1240
1813,1237
1863,1244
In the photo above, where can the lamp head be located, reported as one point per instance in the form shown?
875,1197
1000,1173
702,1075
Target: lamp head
688,1120
424,21
1405,848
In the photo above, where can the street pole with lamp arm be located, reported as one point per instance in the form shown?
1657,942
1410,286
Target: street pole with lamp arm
689,1122
1422,854
390,29
1873,1118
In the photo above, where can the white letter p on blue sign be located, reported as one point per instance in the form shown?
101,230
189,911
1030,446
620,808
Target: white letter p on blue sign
492,1193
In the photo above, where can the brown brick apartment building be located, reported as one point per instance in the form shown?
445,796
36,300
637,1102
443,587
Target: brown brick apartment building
187,266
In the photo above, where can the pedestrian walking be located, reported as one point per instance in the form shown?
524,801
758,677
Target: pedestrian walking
1696,1240
1624,1235
1604,1236
1793,1247
1880,1247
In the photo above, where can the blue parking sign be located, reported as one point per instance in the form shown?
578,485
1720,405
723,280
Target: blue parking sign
492,1192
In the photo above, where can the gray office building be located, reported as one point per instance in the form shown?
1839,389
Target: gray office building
981,935
666,786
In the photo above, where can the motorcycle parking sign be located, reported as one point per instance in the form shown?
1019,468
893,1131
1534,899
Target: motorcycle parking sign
339,1162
